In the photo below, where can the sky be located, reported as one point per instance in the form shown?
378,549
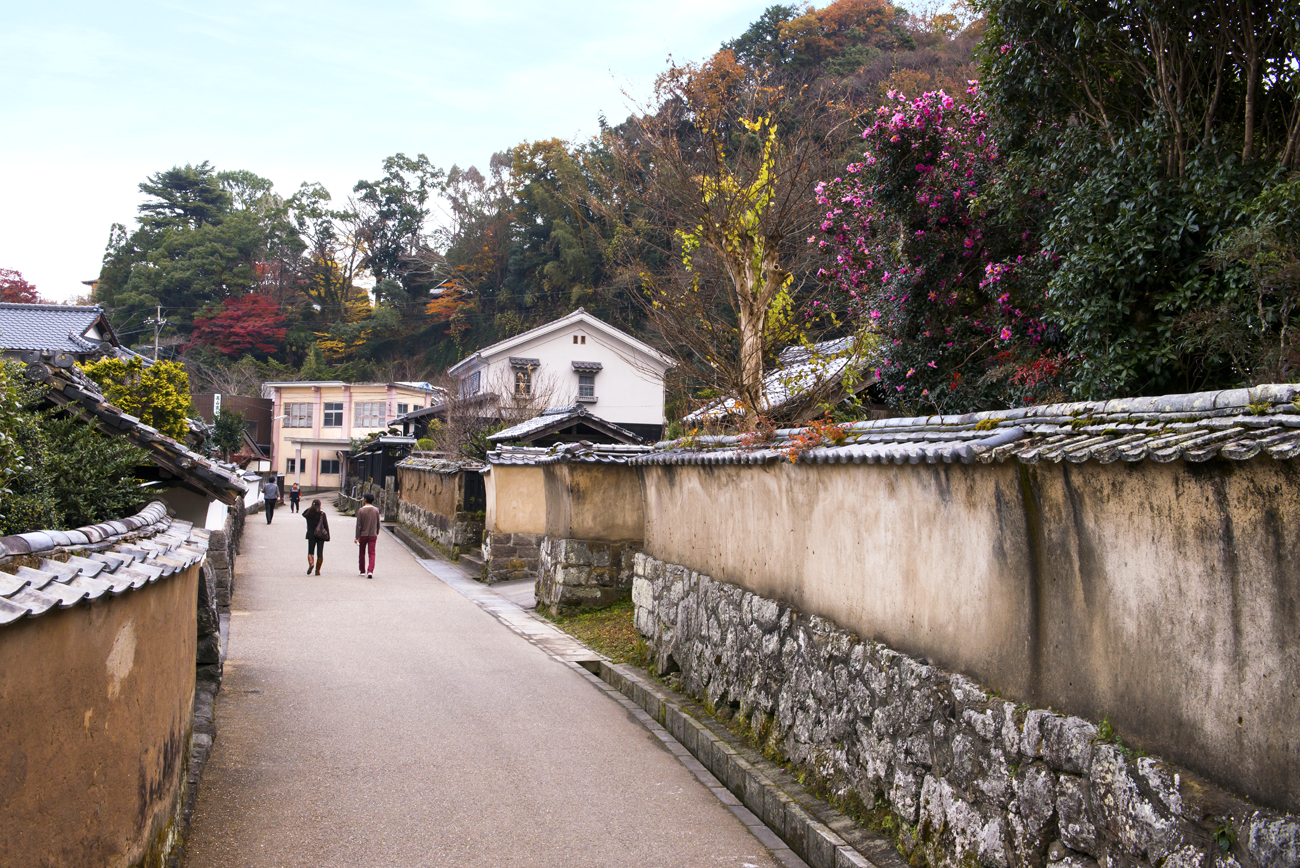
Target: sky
95,97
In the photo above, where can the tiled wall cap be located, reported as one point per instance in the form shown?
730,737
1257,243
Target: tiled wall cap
37,541
15,545
77,538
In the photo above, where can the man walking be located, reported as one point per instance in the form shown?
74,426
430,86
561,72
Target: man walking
270,494
367,534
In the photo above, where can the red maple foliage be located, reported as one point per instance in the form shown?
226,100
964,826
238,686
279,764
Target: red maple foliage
248,323
15,290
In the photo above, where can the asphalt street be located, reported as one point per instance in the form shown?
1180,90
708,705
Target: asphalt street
394,722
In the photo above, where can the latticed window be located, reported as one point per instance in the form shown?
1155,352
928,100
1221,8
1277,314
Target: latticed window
586,385
297,415
523,382
470,384
332,415
369,414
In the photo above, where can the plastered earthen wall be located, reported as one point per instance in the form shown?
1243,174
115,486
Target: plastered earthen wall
516,500
593,502
1165,597
94,735
436,492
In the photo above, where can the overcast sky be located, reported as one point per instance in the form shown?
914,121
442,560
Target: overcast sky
94,97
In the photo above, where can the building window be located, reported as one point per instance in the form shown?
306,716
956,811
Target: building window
403,409
523,382
290,465
586,386
332,415
329,467
579,339
297,415
369,414
470,384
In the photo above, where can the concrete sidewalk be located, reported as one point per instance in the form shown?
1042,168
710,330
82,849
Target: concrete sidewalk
393,722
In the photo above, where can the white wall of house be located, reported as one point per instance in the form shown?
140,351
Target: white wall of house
629,389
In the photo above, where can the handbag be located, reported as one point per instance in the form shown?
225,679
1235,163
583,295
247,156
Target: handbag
322,530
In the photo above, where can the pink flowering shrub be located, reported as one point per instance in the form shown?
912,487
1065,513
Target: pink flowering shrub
913,245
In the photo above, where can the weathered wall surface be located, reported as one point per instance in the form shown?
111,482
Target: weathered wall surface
434,503
96,728
593,502
967,777
516,500
460,530
1163,596
510,557
433,492
575,572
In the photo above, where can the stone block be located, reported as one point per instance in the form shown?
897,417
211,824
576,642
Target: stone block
1067,743
209,650
821,846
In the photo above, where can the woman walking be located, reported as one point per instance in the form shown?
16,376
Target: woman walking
318,533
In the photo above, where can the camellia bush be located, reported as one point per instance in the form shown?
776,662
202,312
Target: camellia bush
946,280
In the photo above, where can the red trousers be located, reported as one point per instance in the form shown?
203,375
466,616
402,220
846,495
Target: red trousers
363,543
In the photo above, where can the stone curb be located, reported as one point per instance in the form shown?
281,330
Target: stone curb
422,548
807,836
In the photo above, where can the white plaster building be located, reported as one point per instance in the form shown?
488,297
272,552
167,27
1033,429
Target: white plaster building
577,359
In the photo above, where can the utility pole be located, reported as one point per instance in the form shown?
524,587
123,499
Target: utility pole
156,320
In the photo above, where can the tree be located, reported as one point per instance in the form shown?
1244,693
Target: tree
158,395
1157,130
15,290
1209,69
248,323
228,432
184,198
951,285
712,193
203,237
393,213
55,471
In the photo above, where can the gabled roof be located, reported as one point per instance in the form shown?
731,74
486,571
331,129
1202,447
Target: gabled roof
578,317
1236,424
802,372
559,418
54,328
79,395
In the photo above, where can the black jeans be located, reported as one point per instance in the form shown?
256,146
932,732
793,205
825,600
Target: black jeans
317,545
270,509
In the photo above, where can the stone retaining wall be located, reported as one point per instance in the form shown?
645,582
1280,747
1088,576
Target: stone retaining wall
576,572
216,587
349,500
508,557
457,533
958,776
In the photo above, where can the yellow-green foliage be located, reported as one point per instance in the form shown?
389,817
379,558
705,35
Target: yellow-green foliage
158,395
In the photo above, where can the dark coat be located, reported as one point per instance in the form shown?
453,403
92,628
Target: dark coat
312,517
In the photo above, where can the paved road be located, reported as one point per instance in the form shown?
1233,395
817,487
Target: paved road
393,722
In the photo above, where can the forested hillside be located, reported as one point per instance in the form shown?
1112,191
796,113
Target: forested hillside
412,270
1053,202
